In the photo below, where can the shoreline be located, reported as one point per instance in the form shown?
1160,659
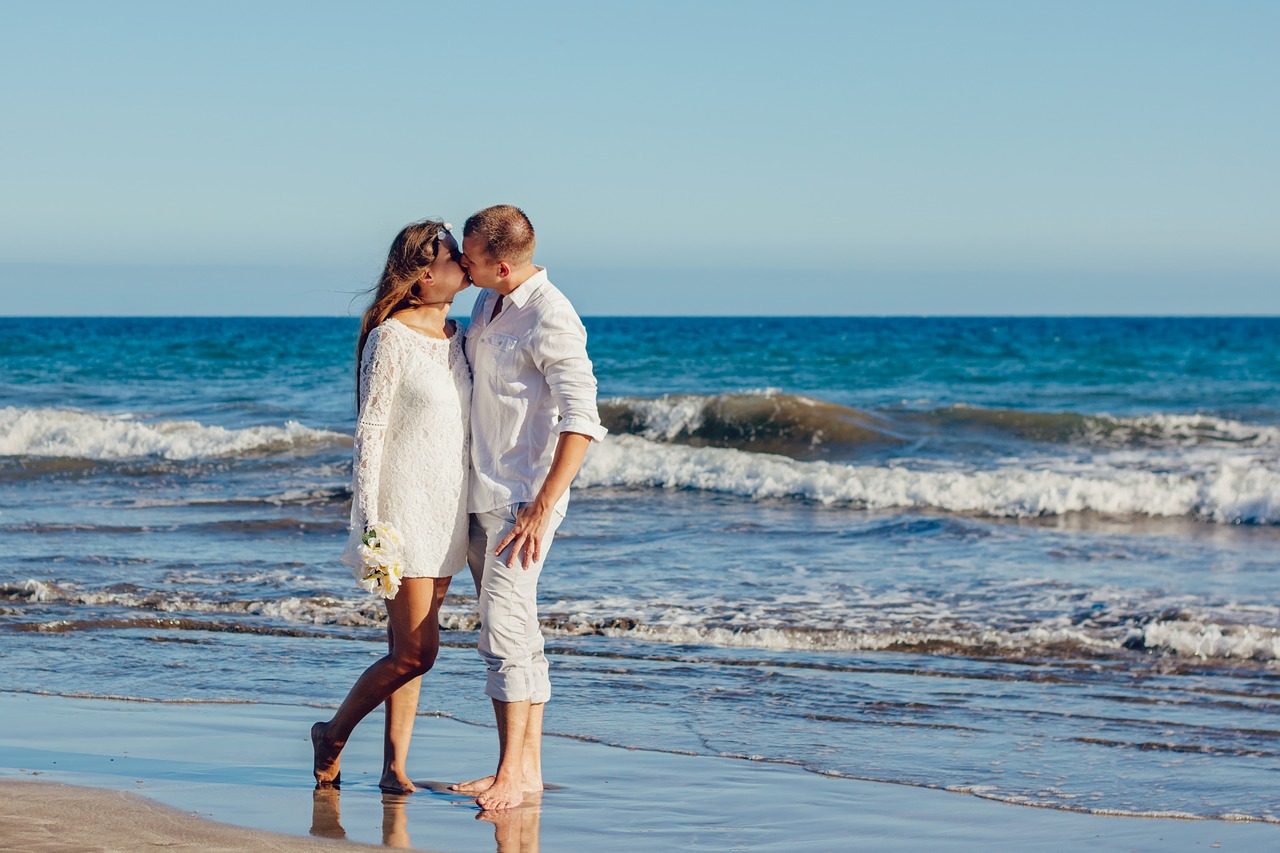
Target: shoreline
242,770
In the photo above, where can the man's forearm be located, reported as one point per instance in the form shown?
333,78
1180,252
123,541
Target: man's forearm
571,449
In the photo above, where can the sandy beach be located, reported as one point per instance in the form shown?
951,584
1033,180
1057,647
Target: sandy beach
236,777
45,817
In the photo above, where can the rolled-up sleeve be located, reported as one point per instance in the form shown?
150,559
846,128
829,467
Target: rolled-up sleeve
560,353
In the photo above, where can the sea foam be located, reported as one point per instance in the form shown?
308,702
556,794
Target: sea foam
1204,634
1226,490
84,435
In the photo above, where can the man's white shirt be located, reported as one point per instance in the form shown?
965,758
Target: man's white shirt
532,380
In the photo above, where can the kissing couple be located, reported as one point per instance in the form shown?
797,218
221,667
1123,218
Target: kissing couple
465,446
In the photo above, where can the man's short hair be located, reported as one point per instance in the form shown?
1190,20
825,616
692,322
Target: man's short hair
507,233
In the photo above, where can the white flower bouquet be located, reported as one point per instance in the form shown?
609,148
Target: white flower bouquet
380,550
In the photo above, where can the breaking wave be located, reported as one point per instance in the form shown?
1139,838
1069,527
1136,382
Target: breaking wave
67,433
1155,430
768,421
804,427
1227,491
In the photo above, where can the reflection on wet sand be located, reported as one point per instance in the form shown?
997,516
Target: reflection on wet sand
326,817
514,831
395,822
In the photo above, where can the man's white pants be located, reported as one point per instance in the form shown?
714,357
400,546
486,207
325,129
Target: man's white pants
510,639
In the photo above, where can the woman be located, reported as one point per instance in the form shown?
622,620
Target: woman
413,389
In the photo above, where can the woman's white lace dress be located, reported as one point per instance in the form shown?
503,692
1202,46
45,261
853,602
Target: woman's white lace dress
412,448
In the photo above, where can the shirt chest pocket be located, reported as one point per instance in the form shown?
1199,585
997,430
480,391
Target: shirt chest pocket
500,351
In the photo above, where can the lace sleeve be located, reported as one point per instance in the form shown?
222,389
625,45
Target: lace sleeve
379,376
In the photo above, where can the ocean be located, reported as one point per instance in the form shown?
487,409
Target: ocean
1032,560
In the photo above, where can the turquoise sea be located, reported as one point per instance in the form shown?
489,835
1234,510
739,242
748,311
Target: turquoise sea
1031,559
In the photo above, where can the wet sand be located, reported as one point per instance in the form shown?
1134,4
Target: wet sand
45,817
247,768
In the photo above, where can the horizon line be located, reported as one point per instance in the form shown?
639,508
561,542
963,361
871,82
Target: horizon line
775,316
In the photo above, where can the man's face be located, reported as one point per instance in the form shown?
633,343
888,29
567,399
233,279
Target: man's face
482,269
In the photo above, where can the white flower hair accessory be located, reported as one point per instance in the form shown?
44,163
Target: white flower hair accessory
380,550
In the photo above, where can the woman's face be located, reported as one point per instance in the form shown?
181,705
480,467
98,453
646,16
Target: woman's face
447,275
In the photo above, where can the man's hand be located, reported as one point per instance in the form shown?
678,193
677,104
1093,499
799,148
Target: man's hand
533,520
526,537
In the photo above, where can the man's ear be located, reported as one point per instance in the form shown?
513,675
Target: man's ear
504,269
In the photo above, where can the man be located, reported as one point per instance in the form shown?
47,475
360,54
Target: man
533,415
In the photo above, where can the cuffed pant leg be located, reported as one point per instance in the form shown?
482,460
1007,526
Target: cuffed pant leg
510,643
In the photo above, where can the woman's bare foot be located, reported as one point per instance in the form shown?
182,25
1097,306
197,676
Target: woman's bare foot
532,782
326,757
393,782
475,786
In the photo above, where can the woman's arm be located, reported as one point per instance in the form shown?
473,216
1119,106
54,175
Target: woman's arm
379,377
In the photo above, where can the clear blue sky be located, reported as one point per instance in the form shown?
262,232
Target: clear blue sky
676,157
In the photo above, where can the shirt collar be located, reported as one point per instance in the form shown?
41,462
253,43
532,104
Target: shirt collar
522,294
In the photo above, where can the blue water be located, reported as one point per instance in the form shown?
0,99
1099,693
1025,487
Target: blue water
1031,559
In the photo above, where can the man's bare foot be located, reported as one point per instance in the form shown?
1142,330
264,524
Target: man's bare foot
395,783
504,793
326,757
530,807
475,786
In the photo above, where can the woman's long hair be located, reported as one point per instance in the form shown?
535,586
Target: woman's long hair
413,250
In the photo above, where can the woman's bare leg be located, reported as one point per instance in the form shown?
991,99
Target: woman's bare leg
400,711
414,615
